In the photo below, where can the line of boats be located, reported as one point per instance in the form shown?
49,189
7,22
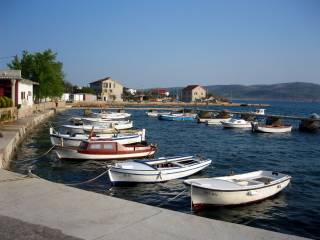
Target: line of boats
111,137
226,120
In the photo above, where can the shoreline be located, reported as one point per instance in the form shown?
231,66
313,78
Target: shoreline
100,104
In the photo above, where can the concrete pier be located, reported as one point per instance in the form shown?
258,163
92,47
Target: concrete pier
71,212
14,132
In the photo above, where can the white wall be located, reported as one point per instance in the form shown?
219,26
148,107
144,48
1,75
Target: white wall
27,90
65,97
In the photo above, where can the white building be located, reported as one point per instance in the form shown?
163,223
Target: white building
13,86
131,91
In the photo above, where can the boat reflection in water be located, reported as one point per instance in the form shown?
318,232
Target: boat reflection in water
247,214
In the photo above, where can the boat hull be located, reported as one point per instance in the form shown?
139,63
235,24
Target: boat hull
118,175
217,121
75,141
176,118
73,154
202,196
262,129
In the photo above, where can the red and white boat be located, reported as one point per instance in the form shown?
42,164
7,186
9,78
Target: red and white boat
105,150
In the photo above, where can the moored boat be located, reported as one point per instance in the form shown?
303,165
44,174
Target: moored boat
236,123
156,170
112,115
217,121
270,128
74,140
259,111
154,113
99,128
177,117
105,150
237,189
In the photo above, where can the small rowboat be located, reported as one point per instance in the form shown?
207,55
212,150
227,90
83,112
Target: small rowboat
156,170
270,128
217,121
112,115
237,189
177,117
236,123
155,113
74,140
105,150
98,128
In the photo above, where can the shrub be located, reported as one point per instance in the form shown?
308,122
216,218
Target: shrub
3,103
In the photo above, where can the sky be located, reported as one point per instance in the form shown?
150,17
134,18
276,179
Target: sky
168,43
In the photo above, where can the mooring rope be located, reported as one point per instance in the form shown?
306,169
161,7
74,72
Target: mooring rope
88,181
171,199
39,157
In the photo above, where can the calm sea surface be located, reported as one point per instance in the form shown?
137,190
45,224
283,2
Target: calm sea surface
295,211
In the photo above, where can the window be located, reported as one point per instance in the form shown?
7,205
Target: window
95,146
108,146
23,95
109,85
29,93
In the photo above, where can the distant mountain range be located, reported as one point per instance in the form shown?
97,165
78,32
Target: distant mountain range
296,91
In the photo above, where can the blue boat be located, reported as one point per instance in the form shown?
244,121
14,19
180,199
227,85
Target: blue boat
177,117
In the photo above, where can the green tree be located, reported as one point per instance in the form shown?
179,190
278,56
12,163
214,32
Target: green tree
41,67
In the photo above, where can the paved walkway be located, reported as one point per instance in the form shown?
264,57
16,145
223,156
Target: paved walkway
34,205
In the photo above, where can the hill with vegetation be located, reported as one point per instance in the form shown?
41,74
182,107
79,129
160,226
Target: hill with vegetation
296,91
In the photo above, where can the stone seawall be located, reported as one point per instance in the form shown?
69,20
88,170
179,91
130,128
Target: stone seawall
13,133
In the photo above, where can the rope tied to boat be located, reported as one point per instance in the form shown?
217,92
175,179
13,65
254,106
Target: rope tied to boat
171,199
32,175
39,157
90,180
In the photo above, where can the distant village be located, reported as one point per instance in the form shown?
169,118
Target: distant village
18,93
110,90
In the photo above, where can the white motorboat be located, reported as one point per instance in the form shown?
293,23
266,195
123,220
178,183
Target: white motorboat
112,115
237,189
74,140
99,128
105,150
270,128
156,170
217,121
154,113
236,123
260,111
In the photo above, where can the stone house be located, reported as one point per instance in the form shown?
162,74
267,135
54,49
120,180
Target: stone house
108,89
193,93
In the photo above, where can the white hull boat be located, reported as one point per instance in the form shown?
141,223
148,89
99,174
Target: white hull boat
105,122
236,189
113,115
271,129
74,140
217,121
98,128
156,170
236,123
155,113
